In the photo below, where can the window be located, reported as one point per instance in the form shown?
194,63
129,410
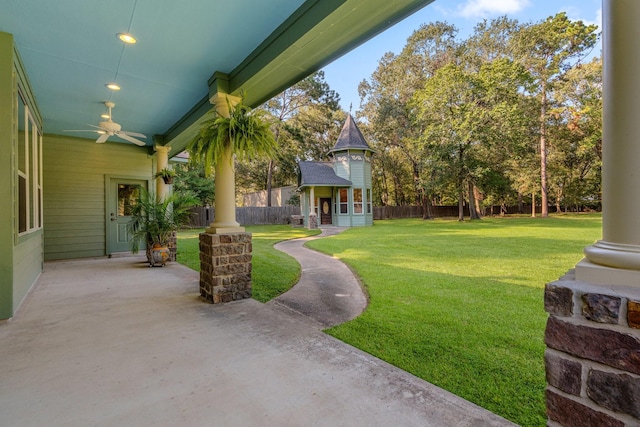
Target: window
368,200
357,200
128,196
344,201
29,170
22,167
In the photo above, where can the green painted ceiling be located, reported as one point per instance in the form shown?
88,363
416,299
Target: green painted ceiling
70,51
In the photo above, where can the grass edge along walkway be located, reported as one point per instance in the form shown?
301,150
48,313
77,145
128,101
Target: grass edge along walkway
273,272
461,304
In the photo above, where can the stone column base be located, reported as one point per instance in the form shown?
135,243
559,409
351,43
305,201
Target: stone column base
225,267
593,353
313,221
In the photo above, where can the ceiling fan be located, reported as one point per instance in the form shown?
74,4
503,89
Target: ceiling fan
110,128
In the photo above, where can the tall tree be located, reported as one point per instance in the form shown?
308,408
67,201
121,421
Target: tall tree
576,128
385,98
547,50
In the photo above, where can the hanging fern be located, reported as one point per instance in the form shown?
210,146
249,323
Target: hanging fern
246,132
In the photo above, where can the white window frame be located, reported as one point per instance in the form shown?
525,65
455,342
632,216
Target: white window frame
358,206
341,203
32,145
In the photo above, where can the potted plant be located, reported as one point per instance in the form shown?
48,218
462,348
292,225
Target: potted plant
154,221
166,174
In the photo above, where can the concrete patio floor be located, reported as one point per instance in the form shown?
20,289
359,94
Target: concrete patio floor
111,342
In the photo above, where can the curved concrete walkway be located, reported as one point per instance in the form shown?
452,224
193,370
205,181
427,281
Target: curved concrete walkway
327,292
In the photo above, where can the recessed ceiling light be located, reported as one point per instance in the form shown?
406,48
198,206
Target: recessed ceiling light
112,86
126,38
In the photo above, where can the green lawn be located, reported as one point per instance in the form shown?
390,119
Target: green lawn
461,304
273,271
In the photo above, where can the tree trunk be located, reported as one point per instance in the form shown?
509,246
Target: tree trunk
473,212
269,179
520,204
427,211
479,198
543,152
461,184
533,204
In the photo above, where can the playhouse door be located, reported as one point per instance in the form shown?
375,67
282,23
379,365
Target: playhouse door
325,211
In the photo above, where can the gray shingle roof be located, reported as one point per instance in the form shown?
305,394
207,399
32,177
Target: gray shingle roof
320,174
350,137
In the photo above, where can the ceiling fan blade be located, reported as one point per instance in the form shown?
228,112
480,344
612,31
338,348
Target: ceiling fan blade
130,139
79,130
139,135
102,138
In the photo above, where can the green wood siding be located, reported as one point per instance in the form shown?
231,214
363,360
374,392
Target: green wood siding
27,266
20,257
74,192
357,174
7,171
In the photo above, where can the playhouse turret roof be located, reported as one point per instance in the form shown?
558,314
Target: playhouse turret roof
350,138
320,174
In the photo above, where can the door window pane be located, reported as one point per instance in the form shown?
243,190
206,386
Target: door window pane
128,195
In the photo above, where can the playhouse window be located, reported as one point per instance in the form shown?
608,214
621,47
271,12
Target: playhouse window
368,200
344,201
357,200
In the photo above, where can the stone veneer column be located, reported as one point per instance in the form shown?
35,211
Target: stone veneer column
225,247
593,354
225,267
593,332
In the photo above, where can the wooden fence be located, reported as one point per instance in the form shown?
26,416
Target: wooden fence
202,217
394,212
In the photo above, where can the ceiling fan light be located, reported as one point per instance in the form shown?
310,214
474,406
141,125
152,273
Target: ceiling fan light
126,38
112,86
101,132
104,116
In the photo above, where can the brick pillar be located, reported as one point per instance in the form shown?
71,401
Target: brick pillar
173,246
593,354
225,267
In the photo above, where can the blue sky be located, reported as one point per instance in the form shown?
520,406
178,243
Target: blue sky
344,74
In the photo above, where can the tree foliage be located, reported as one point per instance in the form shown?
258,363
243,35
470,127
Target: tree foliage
509,111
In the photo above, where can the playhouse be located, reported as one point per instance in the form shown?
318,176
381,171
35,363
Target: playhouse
338,192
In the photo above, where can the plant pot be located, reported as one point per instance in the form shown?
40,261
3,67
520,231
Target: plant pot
167,179
158,255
